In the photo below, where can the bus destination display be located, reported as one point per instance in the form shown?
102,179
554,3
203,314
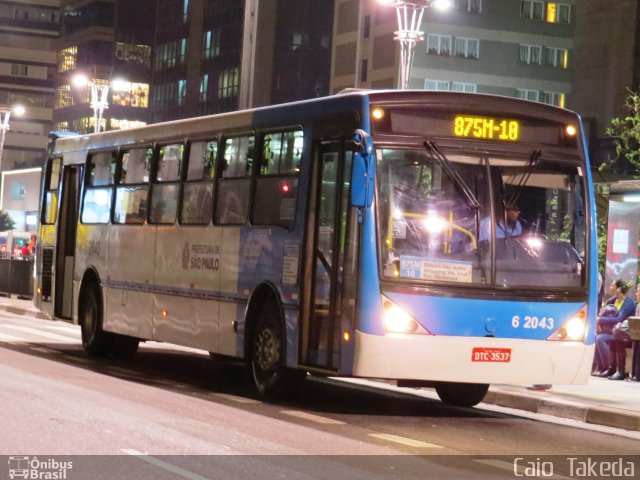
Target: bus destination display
486,128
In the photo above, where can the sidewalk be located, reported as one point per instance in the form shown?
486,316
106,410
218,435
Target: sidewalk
600,402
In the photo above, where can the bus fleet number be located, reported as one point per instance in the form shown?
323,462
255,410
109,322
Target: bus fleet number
533,322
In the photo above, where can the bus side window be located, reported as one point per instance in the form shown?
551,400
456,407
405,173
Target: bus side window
234,186
277,182
50,207
166,185
100,177
197,191
133,186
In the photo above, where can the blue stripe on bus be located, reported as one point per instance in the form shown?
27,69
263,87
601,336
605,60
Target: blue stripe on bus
480,318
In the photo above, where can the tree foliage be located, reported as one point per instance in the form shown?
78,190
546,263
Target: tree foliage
626,131
6,222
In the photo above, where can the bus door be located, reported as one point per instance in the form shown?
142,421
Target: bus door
66,241
329,231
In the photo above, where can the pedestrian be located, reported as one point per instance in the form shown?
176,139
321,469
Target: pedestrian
623,307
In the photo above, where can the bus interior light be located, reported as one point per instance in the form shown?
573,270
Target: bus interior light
434,223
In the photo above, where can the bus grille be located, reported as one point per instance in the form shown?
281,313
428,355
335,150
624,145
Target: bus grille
47,266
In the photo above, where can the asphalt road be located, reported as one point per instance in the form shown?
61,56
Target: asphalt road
175,413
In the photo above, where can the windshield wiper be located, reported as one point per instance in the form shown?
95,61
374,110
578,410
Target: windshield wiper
469,196
513,198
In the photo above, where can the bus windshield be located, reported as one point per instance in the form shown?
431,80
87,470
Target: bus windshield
481,218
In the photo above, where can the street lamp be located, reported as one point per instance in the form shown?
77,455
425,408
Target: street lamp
99,97
409,14
5,115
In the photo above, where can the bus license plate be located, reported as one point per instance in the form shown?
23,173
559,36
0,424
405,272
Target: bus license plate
481,354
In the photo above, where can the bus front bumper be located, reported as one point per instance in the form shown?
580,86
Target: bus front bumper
471,359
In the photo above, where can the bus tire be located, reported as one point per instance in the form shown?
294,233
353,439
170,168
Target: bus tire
461,394
96,342
270,376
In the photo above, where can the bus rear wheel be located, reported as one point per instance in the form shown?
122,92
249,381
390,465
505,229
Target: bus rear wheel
96,342
271,377
461,394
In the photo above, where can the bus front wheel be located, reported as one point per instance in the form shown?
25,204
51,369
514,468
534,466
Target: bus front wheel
461,394
96,342
271,377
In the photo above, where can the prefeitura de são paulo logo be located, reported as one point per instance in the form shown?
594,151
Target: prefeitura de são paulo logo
35,468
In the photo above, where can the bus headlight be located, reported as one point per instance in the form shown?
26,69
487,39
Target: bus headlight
574,329
396,320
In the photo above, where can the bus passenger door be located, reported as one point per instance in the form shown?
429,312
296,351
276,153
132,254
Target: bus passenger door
66,242
328,223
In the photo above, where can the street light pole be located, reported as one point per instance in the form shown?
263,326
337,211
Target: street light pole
409,13
99,100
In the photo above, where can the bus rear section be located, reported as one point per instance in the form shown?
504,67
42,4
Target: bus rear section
481,265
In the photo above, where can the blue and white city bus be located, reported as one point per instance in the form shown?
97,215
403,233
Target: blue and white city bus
370,234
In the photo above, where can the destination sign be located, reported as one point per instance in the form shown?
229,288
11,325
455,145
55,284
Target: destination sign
486,128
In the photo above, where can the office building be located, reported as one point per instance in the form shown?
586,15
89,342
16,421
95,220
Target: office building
28,30
515,48
109,43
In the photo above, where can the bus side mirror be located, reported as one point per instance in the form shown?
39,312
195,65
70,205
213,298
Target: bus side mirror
363,171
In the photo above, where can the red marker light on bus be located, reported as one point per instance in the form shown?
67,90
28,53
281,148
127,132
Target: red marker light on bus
284,187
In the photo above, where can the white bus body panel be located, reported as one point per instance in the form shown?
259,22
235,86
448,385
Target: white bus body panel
230,311
187,281
129,302
444,358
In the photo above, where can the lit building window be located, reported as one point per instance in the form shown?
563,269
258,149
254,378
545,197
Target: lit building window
553,98
527,94
64,98
531,54
204,87
130,94
438,85
67,59
556,57
466,47
558,13
132,53
439,44
123,124
182,91
211,44
532,9
228,83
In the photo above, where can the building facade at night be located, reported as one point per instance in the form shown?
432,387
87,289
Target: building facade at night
514,48
221,55
110,43
28,31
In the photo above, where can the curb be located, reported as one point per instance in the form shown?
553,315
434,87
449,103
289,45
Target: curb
568,409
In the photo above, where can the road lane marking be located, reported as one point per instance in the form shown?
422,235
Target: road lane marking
164,465
404,440
42,350
41,333
11,338
312,418
518,470
234,398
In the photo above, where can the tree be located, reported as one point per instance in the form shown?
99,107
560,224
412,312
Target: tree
6,222
626,131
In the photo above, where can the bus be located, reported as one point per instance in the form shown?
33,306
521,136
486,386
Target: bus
365,234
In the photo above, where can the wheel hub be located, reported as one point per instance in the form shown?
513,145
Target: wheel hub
267,350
